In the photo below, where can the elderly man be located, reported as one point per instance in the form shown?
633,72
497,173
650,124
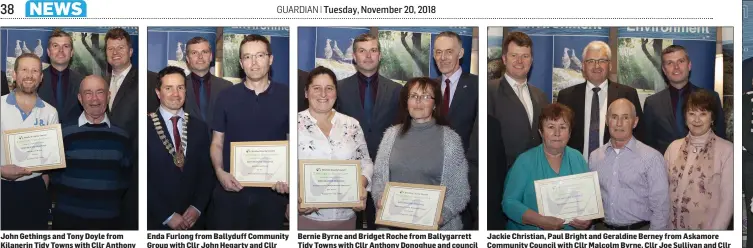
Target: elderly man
90,188
633,176
25,202
589,100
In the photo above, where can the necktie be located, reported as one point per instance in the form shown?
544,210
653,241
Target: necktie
59,96
522,96
114,85
679,117
593,130
446,98
202,99
368,102
176,134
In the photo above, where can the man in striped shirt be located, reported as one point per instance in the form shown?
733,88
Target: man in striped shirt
632,175
90,189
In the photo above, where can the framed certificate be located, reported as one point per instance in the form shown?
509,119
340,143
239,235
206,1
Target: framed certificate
412,206
329,183
570,197
259,163
36,148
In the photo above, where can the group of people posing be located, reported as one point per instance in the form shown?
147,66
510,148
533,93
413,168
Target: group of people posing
663,166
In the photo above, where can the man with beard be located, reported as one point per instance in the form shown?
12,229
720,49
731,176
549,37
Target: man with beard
24,198
90,189
60,83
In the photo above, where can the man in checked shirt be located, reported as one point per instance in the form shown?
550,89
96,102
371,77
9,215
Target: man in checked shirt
632,175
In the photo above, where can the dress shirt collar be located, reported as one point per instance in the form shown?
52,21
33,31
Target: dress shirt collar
83,121
455,77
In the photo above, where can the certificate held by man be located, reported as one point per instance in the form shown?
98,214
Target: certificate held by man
259,163
330,183
412,206
570,197
36,148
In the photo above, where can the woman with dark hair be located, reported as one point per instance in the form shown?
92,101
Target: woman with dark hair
553,158
323,133
700,169
422,149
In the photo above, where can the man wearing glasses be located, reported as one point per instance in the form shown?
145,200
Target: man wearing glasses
254,110
589,100
662,124
202,88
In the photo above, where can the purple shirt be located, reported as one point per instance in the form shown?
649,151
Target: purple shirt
634,184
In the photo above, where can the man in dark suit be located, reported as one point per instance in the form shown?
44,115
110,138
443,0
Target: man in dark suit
516,104
152,102
303,103
747,154
4,88
180,177
460,97
589,100
60,84
370,98
664,120
495,175
124,102
202,88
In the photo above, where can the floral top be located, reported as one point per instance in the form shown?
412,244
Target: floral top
345,142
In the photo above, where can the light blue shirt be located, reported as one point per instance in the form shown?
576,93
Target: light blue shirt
454,80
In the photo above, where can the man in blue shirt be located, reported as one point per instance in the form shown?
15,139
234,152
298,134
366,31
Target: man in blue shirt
253,110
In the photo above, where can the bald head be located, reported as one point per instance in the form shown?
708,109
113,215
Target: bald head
622,118
93,95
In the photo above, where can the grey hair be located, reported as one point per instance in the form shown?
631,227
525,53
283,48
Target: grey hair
597,45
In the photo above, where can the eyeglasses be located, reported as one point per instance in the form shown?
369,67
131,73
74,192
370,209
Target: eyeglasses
596,61
420,98
261,56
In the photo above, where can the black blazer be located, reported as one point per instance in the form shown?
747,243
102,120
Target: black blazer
659,120
383,115
72,108
303,103
152,102
575,98
496,173
517,133
192,107
168,189
4,87
124,114
464,107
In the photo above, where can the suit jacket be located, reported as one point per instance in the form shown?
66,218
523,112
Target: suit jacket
495,176
303,103
71,108
464,107
659,120
747,157
192,104
124,114
504,105
4,87
170,190
152,102
575,98
383,115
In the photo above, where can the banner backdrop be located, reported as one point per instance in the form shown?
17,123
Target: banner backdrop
167,46
88,47
279,38
557,55
639,56
405,51
747,45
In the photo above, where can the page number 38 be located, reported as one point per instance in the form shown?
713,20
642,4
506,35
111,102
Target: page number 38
6,9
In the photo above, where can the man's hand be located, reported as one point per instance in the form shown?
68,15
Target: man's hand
580,224
177,222
281,187
228,181
191,215
12,172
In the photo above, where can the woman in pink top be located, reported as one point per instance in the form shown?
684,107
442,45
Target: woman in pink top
700,170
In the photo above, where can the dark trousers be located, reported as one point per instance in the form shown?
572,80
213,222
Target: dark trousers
748,191
253,208
65,221
369,214
25,205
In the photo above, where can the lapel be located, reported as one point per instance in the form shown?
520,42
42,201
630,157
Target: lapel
191,106
124,87
71,100
666,107
379,102
45,90
461,93
507,91
613,93
351,89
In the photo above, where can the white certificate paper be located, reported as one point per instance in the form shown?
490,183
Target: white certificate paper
412,206
36,149
570,197
259,164
330,183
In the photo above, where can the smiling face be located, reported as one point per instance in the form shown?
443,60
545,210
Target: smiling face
93,95
118,53
199,57
447,54
517,61
321,93
598,71
698,121
28,74
60,50
255,60
676,66
172,92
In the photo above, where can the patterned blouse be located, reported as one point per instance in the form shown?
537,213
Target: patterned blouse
345,142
